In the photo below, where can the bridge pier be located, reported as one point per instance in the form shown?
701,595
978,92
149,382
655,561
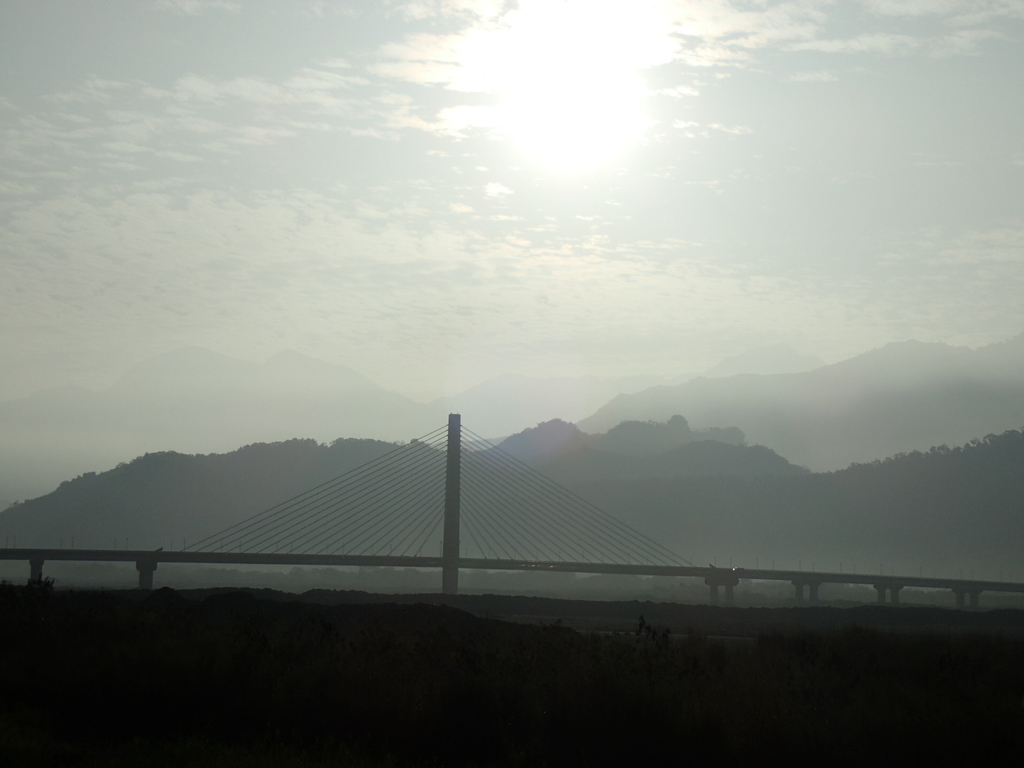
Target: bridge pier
894,593
145,569
963,595
812,590
35,569
714,594
726,579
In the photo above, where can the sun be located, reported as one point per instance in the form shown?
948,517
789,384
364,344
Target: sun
577,119
568,74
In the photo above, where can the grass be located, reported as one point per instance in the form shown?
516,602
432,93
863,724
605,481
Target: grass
93,679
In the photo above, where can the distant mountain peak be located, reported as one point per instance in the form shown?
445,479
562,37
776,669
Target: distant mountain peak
546,440
511,402
769,360
641,437
185,366
557,439
289,364
903,396
292,357
191,369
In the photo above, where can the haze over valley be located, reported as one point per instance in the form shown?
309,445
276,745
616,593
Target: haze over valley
706,492
904,397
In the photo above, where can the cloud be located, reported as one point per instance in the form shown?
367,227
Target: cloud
93,89
679,91
458,121
957,43
103,121
913,8
736,130
494,189
197,7
959,12
485,48
391,236
265,270
697,129
820,76
308,87
999,249
282,266
491,48
888,43
430,59
964,42
123,146
651,33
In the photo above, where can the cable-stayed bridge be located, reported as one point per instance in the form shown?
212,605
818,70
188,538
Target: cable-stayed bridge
449,496
451,500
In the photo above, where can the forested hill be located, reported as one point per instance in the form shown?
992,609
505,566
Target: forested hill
160,498
936,511
643,450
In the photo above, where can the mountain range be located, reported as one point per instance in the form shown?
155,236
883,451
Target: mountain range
905,396
946,511
776,358
167,499
642,450
937,511
161,498
193,400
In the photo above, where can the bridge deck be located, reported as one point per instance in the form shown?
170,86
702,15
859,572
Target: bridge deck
724,576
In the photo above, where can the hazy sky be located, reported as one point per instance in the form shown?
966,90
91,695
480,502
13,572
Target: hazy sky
437,192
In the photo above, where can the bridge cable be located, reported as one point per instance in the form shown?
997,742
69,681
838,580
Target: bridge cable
600,523
312,501
517,483
311,515
606,525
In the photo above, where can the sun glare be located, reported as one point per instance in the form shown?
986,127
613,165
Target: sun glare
569,76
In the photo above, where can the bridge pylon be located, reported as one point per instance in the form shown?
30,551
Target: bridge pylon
452,493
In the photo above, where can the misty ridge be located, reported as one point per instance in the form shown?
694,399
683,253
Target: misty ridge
642,450
160,498
726,491
197,401
904,397
704,498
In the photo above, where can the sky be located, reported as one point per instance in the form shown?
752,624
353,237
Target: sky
435,192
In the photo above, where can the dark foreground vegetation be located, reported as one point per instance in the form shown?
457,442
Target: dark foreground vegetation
106,679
